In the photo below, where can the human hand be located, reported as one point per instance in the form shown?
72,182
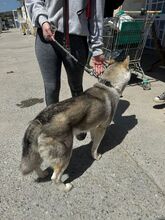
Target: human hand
47,31
97,64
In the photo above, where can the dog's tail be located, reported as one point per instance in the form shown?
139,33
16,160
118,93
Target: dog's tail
30,157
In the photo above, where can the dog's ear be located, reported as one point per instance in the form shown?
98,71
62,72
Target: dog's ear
111,61
126,62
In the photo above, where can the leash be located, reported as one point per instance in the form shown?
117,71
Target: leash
91,72
66,23
88,70
66,46
66,19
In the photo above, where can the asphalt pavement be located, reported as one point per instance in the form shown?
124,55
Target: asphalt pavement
128,183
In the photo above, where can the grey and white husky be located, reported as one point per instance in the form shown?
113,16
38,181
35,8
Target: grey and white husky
49,136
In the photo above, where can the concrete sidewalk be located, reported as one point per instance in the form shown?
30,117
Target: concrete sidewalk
128,183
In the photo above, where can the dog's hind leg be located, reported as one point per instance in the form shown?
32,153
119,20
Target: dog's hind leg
56,177
57,154
97,135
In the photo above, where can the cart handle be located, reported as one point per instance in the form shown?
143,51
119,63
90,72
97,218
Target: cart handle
143,12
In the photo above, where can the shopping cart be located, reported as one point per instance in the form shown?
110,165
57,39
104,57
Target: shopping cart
129,38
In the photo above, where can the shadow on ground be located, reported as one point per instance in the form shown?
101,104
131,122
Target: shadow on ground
134,81
29,102
161,106
149,58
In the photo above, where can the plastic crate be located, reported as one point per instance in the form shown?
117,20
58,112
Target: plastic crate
131,32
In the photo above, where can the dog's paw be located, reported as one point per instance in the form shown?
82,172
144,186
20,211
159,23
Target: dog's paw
44,174
65,187
97,156
81,136
68,187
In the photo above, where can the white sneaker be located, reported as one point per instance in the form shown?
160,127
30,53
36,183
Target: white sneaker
160,99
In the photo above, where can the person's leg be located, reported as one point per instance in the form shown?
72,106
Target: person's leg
50,65
79,49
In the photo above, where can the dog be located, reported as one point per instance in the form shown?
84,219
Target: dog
50,135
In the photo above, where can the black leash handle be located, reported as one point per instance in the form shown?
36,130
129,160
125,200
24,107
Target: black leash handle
66,23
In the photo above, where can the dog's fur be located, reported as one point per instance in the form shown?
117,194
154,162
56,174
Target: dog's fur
50,135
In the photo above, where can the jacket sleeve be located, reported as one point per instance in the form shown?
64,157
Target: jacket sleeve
37,11
96,27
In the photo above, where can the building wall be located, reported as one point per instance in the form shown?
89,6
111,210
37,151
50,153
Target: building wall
0,25
7,20
26,17
159,21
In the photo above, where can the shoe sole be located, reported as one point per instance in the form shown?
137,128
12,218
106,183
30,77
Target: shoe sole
159,101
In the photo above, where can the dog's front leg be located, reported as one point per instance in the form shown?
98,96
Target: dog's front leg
97,135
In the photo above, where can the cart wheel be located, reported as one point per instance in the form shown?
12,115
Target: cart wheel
146,84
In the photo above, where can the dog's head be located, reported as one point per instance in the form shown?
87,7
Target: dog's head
118,73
